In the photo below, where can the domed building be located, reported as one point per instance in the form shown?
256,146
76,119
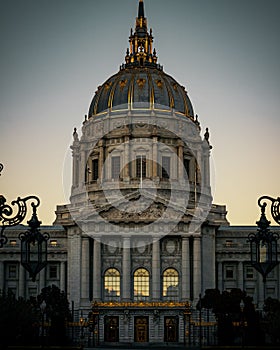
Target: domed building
141,224
140,240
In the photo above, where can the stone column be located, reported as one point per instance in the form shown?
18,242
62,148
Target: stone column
180,162
82,168
155,157
197,267
101,162
62,276
22,290
126,270
185,269
156,269
74,266
126,158
220,276
2,276
42,279
97,269
85,269
240,283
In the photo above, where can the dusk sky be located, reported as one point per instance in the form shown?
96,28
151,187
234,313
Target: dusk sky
55,53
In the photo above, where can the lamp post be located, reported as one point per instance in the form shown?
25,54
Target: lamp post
263,244
34,246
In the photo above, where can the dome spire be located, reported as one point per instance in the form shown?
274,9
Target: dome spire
141,9
141,52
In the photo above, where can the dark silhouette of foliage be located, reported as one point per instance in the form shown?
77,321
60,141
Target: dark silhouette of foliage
271,320
226,307
57,311
18,320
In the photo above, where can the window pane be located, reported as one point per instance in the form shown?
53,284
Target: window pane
141,284
95,169
116,167
112,284
141,166
166,167
187,168
171,284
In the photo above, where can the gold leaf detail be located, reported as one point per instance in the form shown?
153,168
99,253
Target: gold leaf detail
159,83
141,82
123,83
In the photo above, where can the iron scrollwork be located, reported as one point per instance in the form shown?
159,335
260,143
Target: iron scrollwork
1,168
275,207
12,216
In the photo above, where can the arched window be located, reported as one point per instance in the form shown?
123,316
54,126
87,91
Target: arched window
112,284
141,283
170,284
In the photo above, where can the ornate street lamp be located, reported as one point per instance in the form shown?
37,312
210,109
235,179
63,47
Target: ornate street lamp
34,246
9,218
263,246
275,207
1,168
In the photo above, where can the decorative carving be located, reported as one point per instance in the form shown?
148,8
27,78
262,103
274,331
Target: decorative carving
159,83
141,82
123,83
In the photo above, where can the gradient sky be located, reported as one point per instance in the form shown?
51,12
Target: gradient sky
54,54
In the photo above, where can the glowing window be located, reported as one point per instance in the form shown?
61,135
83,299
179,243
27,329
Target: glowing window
141,284
170,284
112,284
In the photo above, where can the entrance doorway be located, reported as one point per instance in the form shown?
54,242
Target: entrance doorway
111,329
171,329
141,329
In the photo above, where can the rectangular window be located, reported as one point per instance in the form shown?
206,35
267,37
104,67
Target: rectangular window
32,292
141,166
12,271
94,169
229,272
165,167
53,271
116,167
249,272
187,168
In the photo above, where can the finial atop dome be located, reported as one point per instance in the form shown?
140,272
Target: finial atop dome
141,43
141,9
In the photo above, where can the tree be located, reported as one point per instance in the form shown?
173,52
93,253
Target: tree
272,319
18,319
226,307
57,311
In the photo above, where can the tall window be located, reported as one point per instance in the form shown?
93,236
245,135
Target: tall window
165,167
112,284
94,169
171,284
141,284
141,166
187,168
116,167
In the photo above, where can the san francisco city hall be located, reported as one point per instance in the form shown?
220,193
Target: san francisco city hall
140,239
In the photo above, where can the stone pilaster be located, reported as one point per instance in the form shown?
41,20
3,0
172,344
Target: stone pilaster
185,295
126,270
197,267
156,269
62,275
85,269
97,269
22,273
74,266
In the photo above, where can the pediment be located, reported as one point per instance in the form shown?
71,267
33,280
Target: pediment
138,206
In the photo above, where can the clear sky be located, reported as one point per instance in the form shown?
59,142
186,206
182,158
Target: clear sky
54,54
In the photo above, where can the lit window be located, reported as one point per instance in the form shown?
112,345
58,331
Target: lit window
112,283
141,284
141,167
13,242
229,243
165,167
95,169
53,243
170,284
53,271
116,167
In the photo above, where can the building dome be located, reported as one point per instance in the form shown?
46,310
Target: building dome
141,87
141,82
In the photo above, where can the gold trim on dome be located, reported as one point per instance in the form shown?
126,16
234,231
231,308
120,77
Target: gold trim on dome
123,83
141,82
108,85
159,83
